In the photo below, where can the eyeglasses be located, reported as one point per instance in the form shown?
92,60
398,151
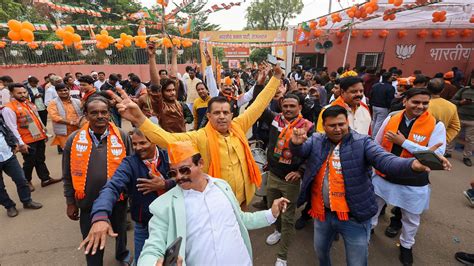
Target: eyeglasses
183,170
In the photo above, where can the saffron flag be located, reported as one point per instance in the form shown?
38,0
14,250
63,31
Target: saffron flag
187,27
163,2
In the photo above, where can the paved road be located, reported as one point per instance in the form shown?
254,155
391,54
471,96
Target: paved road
48,237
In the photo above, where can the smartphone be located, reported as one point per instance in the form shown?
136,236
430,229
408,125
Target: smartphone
172,252
430,159
272,59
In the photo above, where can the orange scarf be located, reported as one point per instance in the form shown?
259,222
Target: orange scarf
215,162
420,132
282,151
337,191
80,154
339,101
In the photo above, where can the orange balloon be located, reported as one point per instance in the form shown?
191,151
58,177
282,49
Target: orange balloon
369,10
68,42
471,20
127,43
68,36
176,42
60,33
14,25
317,33
27,35
76,37
110,39
14,35
78,46
397,2
27,25
104,32
350,13
69,29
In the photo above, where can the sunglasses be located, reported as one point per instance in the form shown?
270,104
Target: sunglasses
183,170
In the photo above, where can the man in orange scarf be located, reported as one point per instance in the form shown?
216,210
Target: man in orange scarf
222,143
90,158
337,182
403,133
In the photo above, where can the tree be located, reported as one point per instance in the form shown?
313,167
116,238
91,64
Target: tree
259,54
272,14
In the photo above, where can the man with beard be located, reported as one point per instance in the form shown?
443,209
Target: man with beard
143,176
22,118
352,92
284,169
172,115
411,130
204,212
222,143
91,157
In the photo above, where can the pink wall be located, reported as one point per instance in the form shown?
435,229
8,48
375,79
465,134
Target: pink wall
421,58
20,74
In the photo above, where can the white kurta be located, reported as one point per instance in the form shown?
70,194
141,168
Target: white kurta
213,233
411,198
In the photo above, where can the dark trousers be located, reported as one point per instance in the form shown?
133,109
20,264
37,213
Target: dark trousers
43,116
119,225
12,168
36,159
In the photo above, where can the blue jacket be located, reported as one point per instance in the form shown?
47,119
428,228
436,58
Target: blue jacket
358,154
125,180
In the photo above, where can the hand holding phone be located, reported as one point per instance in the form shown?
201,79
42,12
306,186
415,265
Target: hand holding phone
172,252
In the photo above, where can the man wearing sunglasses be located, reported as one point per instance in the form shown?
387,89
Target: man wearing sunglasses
222,142
205,213
143,176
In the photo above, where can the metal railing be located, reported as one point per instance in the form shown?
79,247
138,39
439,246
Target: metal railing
24,55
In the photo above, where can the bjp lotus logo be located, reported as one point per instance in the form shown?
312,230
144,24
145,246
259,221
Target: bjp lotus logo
405,52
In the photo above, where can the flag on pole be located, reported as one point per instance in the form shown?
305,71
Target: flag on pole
187,27
163,2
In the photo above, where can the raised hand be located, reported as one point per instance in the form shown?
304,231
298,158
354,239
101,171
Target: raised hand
151,49
97,237
127,108
299,136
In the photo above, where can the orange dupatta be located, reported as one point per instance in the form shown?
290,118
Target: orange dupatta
80,154
215,162
337,191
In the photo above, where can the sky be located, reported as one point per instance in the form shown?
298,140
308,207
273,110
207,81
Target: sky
234,19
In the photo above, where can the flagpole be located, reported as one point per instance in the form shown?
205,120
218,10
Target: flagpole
164,35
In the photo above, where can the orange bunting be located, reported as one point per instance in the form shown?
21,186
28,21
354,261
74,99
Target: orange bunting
422,33
465,33
401,34
436,33
383,33
367,33
354,33
451,33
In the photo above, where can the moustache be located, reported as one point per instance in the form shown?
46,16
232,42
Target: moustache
358,97
183,180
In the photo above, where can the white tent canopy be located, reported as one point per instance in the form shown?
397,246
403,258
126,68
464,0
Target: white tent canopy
417,17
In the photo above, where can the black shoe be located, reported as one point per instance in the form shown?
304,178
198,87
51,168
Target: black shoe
392,231
32,205
50,181
261,205
12,212
447,155
467,162
300,223
406,256
466,258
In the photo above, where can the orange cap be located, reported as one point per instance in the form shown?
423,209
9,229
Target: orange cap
180,151
228,81
449,75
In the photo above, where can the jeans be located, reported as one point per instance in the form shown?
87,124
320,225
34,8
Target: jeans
140,235
118,220
35,158
12,168
285,224
379,115
356,239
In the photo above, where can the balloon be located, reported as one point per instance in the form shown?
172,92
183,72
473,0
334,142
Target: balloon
76,37
78,46
123,35
60,32
369,10
367,33
397,2
118,46
127,43
466,33
104,32
110,39
176,42
27,25
27,35
2,44
68,36
69,28
14,36
402,34
350,13
33,45
313,24
14,25
354,33
68,42
317,33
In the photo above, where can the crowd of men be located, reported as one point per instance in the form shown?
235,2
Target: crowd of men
341,143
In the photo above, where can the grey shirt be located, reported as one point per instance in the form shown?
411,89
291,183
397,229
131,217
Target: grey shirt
96,170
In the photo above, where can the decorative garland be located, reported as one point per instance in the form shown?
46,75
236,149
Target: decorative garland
79,62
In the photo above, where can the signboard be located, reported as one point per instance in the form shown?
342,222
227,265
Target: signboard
234,64
253,36
239,52
453,52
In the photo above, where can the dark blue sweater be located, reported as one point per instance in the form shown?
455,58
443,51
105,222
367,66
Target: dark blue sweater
358,154
125,180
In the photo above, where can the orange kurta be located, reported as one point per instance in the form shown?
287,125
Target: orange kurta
71,115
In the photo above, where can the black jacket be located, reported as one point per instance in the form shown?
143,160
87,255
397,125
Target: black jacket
8,134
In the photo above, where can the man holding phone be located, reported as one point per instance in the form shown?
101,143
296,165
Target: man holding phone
205,213
404,133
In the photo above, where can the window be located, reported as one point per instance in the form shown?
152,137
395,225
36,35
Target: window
369,60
